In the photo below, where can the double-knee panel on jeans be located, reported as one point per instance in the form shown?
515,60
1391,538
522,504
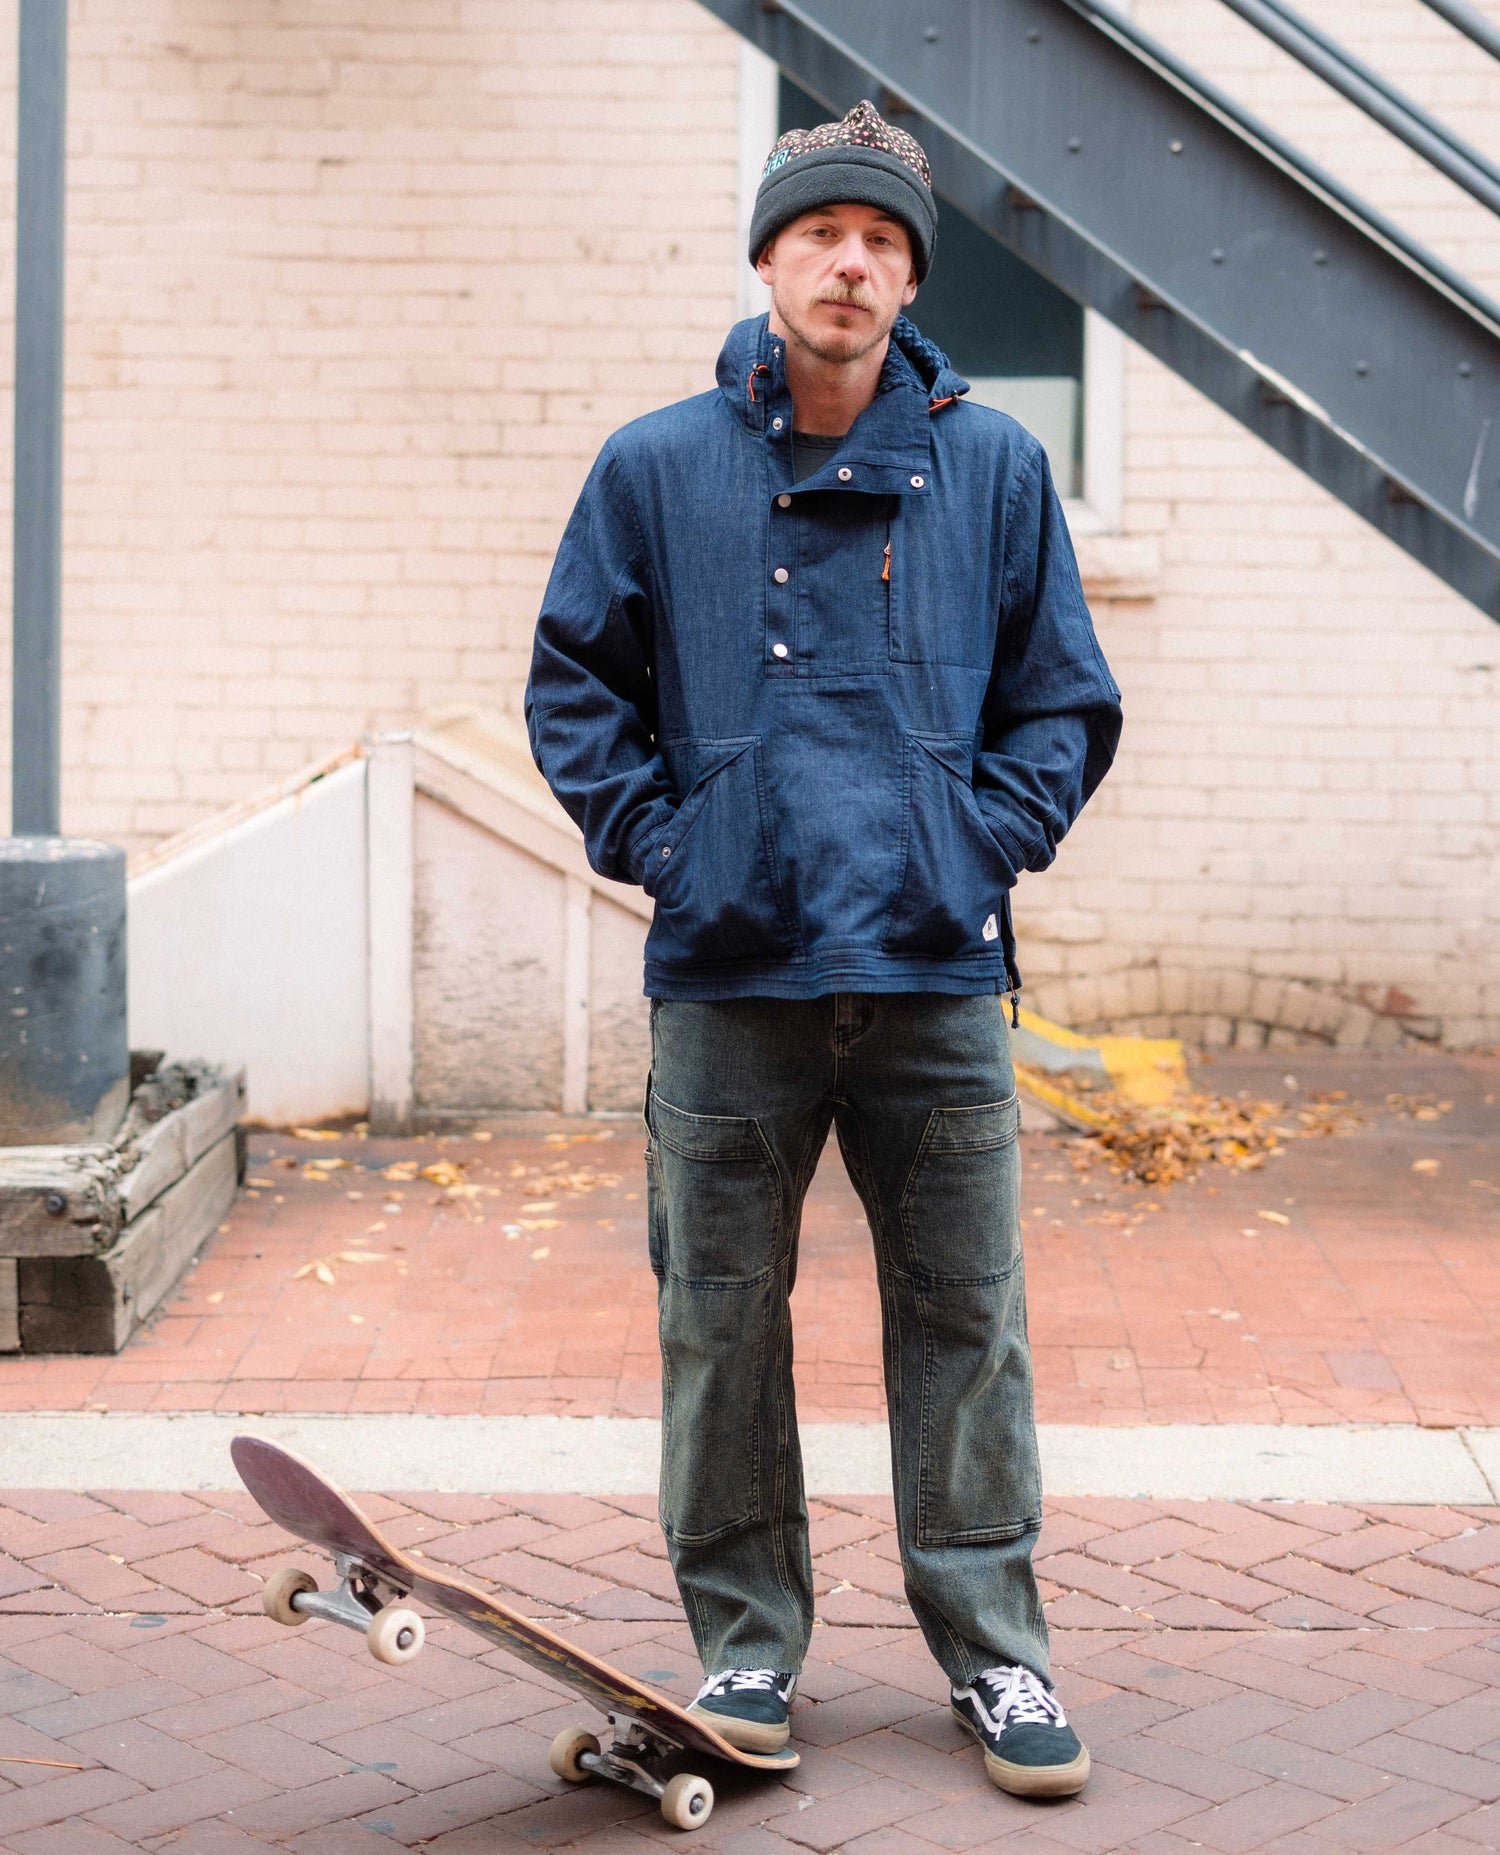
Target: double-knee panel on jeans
960,1262
719,1247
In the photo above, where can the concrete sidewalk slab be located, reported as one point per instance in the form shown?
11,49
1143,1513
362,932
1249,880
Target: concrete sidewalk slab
611,1455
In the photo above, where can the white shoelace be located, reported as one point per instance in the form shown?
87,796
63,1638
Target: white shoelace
739,1681
1018,1697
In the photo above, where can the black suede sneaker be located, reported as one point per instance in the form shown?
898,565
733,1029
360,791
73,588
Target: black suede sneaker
1029,1748
748,1707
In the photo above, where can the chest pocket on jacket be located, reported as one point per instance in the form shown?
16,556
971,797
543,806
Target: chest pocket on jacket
944,600
842,583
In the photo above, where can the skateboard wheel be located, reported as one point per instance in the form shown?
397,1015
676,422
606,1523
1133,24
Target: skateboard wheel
396,1634
687,1801
563,1758
281,1587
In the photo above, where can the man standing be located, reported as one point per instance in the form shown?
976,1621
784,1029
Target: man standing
815,668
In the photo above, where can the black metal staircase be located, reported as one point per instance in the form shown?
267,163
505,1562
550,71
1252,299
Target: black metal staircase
1141,189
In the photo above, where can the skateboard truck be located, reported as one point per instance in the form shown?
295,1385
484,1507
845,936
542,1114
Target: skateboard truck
394,1633
633,1758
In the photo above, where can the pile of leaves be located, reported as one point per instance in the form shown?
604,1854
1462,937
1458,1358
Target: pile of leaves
1160,1145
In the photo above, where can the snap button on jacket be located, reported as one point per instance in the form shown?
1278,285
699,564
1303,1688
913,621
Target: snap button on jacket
854,709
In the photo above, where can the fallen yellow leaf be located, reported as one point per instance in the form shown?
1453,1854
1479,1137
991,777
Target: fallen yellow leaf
443,1172
1426,1165
360,1256
1273,1217
313,1172
541,1204
215,1298
538,1255
402,1169
540,1223
315,1133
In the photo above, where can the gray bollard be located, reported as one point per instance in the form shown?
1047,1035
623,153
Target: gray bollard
64,1052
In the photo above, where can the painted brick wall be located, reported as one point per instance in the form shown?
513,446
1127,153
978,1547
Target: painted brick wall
357,287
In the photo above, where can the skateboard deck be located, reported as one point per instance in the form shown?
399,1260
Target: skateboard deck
302,1501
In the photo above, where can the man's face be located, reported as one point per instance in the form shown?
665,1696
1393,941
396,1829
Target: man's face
839,277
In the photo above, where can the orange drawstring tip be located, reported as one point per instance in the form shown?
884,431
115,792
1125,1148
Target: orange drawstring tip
933,405
886,570
759,368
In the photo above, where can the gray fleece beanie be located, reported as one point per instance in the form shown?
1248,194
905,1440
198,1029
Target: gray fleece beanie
859,161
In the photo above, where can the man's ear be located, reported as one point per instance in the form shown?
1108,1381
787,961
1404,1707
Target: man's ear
765,268
911,287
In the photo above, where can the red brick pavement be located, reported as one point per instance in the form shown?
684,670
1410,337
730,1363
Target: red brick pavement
1267,1677
525,1288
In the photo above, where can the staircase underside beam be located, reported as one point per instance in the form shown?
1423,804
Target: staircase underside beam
1135,196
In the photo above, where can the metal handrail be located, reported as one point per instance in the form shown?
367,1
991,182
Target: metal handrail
1287,155
1472,23
1367,89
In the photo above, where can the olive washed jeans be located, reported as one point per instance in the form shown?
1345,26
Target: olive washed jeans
738,1106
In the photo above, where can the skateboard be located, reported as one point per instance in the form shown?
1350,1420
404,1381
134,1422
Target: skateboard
649,1733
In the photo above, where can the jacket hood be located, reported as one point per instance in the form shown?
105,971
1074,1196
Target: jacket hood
751,368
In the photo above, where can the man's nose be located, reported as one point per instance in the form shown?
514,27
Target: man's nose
851,259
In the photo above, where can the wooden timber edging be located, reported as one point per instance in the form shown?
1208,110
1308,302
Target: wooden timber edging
92,1304
93,1238
75,1200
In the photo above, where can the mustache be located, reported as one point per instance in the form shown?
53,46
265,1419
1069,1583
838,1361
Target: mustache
854,300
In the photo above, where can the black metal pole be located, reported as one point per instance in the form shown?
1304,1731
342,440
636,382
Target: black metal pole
37,573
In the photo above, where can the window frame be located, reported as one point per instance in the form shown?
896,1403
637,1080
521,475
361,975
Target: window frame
1098,510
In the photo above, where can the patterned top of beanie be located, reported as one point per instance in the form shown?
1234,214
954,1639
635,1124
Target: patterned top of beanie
863,127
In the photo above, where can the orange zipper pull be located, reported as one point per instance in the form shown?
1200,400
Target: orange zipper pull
886,571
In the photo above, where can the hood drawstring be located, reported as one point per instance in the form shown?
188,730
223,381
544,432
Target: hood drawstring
1008,953
760,367
934,405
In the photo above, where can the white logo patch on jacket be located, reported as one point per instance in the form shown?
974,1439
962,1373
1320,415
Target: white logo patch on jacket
991,929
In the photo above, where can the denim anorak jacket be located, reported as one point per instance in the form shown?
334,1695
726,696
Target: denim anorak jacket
824,724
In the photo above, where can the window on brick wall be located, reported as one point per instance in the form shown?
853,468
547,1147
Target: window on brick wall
1023,345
